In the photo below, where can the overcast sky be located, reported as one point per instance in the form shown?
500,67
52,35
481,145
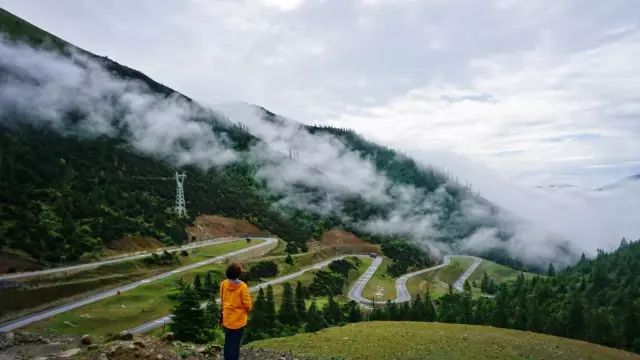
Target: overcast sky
544,92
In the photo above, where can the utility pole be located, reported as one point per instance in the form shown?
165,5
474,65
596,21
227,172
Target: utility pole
181,206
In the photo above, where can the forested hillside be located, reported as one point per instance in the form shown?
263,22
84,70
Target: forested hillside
597,300
74,179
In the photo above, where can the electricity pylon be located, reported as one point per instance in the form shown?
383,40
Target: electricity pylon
181,206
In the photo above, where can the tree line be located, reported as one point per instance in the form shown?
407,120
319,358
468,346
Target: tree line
596,300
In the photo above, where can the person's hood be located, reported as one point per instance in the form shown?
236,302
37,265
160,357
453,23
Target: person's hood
233,284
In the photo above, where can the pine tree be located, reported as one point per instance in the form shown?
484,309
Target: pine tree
466,287
599,275
391,311
630,319
189,323
484,283
405,311
212,313
289,259
466,306
353,312
583,258
300,305
315,321
197,286
430,310
288,314
332,312
208,286
500,317
636,346
599,327
448,311
551,271
259,326
418,310
270,306
535,320
520,318
491,286
624,243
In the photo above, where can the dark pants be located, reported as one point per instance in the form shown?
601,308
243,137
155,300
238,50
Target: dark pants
232,341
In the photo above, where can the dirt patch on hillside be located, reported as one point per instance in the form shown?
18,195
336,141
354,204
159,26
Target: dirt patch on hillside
14,263
212,226
134,243
337,238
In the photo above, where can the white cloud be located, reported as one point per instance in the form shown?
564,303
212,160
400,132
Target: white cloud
540,92
523,110
284,5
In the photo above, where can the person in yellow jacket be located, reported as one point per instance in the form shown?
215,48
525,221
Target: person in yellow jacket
235,306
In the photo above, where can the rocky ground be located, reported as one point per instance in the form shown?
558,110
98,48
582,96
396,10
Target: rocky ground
23,346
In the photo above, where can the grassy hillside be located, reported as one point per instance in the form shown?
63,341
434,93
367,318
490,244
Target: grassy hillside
437,282
413,341
496,271
382,285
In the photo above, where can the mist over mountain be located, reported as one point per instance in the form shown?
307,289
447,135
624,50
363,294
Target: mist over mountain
241,160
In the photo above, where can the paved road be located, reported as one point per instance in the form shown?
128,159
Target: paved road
402,292
355,293
136,255
459,284
167,319
269,243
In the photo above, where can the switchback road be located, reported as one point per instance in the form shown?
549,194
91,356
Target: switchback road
267,245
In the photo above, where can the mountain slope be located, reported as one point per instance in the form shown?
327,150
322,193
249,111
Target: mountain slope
89,148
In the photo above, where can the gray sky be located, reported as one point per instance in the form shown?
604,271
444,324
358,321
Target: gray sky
543,92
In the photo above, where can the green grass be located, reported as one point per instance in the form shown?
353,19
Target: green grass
499,272
280,249
415,340
381,281
207,252
117,313
46,292
299,260
451,273
307,278
437,282
496,271
133,307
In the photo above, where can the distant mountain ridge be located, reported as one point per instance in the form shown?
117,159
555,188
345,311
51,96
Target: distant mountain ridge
621,183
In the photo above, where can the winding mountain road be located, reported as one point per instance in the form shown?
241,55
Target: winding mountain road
267,245
317,266
355,293
459,284
402,291
127,257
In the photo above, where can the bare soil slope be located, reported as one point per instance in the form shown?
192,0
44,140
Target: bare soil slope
212,226
344,240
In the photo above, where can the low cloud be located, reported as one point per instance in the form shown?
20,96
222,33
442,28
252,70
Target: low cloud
588,219
76,95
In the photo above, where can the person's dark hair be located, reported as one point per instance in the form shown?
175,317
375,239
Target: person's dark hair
233,271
